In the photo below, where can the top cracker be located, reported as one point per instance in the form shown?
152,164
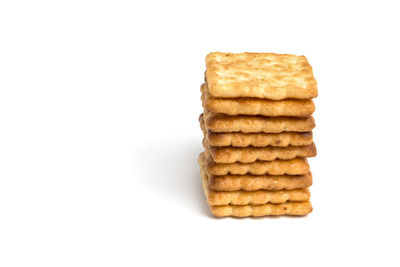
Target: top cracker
261,75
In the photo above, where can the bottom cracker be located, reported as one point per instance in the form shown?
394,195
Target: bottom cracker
288,208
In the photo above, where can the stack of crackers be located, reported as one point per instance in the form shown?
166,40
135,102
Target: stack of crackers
257,124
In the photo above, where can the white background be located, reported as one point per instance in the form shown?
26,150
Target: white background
99,133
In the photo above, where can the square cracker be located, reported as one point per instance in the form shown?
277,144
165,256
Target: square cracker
255,182
295,166
251,197
238,139
259,182
262,75
251,154
256,124
256,106
288,208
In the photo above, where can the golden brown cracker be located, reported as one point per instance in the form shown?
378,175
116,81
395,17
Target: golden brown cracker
258,182
262,75
289,208
251,154
255,182
256,106
255,139
252,197
295,166
256,124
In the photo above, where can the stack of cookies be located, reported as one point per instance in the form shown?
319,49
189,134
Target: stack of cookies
257,127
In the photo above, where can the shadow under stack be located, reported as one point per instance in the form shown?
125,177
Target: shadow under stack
257,127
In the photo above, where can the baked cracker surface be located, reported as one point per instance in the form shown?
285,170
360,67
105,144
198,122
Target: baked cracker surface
261,75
